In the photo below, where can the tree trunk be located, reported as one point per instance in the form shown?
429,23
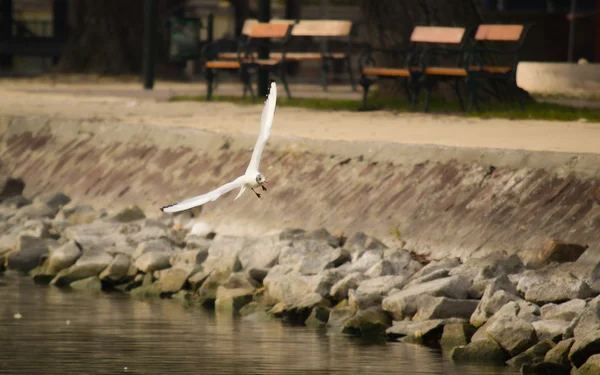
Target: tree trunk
390,23
106,37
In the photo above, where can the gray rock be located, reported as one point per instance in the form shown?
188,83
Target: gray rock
130,213
560,353
120,268
457,334
62,257
443,308
382,268
153,261
498,293
258,274
552,286
98,235
359,242
366,260
381,285
585,347
90,263
491,266
291,234
588,320
513,334
444,265
429,331
57,201
550,329
338,317
149,231
339,290
232,300
29,252
401,261
90,284
173,279
312,257
240,280
590,367
565,311
79,214
39,228
479,351
188,257
369,323
36,210
451,287
545,368
207,292
318,317
223,257
251,308
361,301
159,246
435,275
284,284
323,235
532,355
260,252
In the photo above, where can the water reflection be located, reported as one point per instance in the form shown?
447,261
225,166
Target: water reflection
109,334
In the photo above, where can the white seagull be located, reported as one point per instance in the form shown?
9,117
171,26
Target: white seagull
252,178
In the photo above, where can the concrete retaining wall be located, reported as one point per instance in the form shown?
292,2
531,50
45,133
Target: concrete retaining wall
559,78
439,200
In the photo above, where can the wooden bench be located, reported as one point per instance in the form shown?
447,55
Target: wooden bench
323,32
247,60
426,43
494,57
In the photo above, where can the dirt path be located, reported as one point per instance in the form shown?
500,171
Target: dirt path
124,102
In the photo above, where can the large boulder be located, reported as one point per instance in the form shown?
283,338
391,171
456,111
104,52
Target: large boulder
120,268
29,253
457,334
498,293
513,334
532,355
370,323
91,263
585,347
260,252
232,300
188,257
564,311
62,257
366,261
381,285
442,308
588,320
129,213
590,367
480,351
553,329
98,235
311,256
79,214
284,284
560,353
560,251
153,260
339,290
454,287
428,332
490,266
552,286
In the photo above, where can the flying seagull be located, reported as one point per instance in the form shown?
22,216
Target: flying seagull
252,179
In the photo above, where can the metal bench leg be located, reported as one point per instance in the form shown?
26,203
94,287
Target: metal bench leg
458,94
518,94
473,85
325,73
428,86
245,76
209,74
365,83
350,74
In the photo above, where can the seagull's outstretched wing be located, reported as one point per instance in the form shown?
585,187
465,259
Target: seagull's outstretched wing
266,121
201,199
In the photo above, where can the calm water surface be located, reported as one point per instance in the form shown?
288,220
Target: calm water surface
63,333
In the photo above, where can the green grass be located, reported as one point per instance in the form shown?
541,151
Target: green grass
536,111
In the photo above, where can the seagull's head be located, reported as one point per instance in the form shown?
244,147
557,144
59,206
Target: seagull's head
260,179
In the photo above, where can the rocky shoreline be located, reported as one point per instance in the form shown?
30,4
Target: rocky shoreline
543,318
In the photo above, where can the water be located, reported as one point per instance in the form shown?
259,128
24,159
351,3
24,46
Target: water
62,333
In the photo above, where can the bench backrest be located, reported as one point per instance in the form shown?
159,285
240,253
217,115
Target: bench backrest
435,34
499,33
251,22
269,30
322,28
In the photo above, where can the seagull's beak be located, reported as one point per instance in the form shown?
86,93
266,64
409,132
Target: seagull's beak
265,181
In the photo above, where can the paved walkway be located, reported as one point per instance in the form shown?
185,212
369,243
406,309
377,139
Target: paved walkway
126,102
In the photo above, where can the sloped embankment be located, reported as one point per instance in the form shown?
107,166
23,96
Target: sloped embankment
441,201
